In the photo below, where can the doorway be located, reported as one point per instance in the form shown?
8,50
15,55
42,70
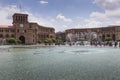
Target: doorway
22,39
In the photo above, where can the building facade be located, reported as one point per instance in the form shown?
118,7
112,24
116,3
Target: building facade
27,32
94,33
61,36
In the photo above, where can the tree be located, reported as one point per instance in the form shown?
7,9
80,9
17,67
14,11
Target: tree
54,40
18,41
49,40
59,41
39,41
81,40
108,39
118,39
11,41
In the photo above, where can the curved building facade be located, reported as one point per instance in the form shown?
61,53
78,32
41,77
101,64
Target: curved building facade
90,33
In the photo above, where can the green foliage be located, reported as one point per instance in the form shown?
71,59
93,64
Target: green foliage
46,41
50,40
81,40
94,40
108,39
118,40
11,41
40,41
54,40
19,41
59,41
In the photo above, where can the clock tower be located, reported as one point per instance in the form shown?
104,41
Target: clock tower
19,20
30,32
21,25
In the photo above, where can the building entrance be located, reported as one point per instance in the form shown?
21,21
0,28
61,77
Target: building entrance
22,39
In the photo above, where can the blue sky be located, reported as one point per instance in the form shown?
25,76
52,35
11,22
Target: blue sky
64,14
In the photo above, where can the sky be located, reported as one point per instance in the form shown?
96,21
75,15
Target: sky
63,14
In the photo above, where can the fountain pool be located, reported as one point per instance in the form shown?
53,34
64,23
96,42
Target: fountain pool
59,63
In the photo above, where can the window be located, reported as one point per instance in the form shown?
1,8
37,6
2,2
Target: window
18,30
7,35
25,31
7,30
1,30
12,35
12,30
47,36
51,37
51,30
1,35
30,26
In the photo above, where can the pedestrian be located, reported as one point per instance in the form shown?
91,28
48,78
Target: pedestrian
115,43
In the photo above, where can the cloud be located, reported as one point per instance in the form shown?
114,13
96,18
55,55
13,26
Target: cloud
111,7
110,16
98,15
6,14
65,26
63,18
89,24
8,11
93,23
108,4
40,20
43,2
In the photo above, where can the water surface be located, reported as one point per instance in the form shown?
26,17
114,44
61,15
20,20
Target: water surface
59,63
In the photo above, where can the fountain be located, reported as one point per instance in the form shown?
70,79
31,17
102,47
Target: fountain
93,36
71,38
86,37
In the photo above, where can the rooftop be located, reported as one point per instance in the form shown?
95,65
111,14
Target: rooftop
5,26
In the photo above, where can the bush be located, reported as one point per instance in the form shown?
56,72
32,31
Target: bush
59,41
118,40
49,40
11,41
108,39
39,41
19,41
54,40
81,40
45,41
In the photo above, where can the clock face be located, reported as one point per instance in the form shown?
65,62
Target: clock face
21,25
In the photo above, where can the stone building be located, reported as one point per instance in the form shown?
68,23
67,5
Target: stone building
94,33
27,32
61,36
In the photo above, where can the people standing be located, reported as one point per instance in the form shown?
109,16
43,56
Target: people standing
116,43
